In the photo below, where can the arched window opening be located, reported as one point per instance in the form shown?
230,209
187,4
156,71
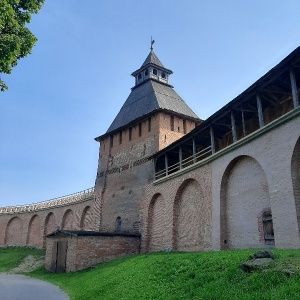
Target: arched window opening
146,73
268,228
163,75
140,77
118,224
154,72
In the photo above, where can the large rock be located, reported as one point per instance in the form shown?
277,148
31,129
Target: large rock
257,264
262,259
262,254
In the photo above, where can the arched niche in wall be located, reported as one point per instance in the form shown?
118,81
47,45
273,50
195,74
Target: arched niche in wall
244,200
86,222
118,224
50,223
34,232
68,220
13,232
295,169
156,224
190,217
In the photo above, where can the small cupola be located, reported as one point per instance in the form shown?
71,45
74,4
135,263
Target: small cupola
152,68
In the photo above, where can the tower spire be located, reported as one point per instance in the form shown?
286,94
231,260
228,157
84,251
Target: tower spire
152,42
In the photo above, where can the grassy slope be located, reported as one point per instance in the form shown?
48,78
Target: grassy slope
11,257
202,275
209,275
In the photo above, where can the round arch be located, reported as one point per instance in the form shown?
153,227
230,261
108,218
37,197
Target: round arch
13,232
34,232
295,169
244,198
156,240
68,220
86,219
190,217
50,223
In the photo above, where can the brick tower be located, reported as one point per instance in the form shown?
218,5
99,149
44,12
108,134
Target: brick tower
152,117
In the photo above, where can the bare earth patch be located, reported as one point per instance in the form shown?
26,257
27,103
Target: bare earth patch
28,264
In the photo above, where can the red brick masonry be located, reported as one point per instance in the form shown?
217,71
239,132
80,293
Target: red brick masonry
88,248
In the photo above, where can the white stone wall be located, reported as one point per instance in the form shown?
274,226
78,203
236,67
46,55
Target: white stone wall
273,152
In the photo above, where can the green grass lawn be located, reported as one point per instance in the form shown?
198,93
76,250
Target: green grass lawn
201,275
12,256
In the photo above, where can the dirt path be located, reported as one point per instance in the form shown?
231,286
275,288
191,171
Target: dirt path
29,264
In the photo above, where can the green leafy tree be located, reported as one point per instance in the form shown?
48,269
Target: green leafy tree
16,41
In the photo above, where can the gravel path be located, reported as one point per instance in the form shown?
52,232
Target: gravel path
20,287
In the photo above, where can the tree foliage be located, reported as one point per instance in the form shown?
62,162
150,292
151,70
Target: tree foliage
16,41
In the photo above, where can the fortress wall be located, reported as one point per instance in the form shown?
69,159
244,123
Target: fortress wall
124,169
86,251
122,197
186,216
229,195
29,228
168,136
126,151
273,184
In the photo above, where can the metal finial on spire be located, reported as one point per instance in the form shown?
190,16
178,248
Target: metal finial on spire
152,42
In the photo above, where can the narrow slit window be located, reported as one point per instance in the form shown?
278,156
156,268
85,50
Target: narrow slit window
184,126
172,123
130,133
120,137
140,129
111,141
118,224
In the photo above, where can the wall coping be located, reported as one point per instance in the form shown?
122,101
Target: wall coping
78,197
82,233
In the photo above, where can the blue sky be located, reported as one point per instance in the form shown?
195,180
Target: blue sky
68,91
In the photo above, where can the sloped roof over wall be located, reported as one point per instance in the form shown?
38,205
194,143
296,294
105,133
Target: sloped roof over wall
288,63
65,233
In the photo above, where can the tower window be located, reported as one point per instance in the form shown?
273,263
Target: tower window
118,224
154,72
139,76
111,141
146,72
120,137
163,75
140,129
172,123
130,133
149,124
184,126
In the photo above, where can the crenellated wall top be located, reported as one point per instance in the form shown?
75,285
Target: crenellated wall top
56,202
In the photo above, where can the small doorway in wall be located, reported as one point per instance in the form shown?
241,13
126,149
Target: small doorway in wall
118,224
59,257
268,228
